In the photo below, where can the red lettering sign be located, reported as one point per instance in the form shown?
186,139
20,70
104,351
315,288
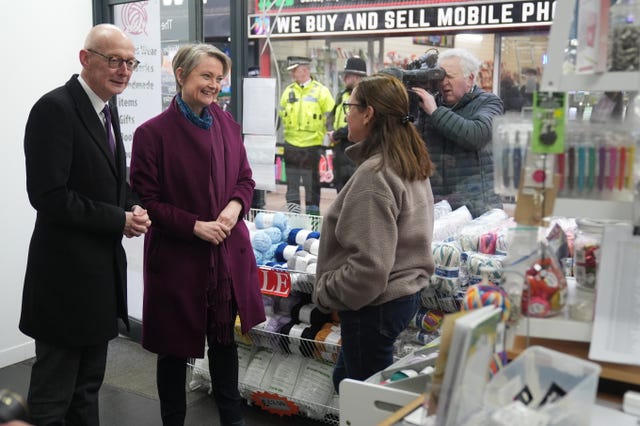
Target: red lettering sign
274,283
274,403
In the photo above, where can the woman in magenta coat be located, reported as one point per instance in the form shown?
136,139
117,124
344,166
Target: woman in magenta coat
190,168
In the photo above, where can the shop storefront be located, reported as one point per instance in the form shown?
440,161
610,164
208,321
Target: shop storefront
509,37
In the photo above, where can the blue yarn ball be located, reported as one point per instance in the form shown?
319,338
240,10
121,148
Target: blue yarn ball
259,257
280,251
291,238
285,233
265,220
270,254
280,221
260,220
296,236
274,233
261,241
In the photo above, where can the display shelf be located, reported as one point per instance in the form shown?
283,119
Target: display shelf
554,76
594,209
434,299
273,402
555,328
295,219
284,344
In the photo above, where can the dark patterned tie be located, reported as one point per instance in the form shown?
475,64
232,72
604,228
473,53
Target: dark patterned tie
110,138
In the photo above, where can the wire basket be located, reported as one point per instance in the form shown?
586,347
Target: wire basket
295,220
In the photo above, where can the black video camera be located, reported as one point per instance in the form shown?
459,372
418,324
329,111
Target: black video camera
424,72
12,406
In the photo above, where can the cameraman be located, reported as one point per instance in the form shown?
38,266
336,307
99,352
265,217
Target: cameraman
457,130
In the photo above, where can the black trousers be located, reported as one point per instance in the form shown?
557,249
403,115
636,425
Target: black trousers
64,384
302,168
223,367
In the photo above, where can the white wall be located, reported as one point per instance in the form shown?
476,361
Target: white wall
41,41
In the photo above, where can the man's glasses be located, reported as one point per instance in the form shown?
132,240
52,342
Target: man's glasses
346,107
115,62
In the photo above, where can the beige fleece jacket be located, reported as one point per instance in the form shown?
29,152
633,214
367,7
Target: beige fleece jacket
375,243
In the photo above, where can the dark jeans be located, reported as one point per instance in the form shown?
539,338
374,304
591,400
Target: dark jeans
302,168
65,382
223,366
368,336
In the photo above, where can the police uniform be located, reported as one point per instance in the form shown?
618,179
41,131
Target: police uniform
343,167
303,112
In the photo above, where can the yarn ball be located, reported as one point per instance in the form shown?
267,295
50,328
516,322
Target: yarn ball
266,220
259,256
270,255
285,251
285,233
261,241
430,320
274,233
479,295
300,235
311,245
447,262
276,265
311,268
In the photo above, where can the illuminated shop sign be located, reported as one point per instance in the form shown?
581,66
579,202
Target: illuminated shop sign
433,17
299,5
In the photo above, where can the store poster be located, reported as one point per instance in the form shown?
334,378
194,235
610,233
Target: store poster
141,100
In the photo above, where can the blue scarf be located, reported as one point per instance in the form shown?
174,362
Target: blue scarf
203,121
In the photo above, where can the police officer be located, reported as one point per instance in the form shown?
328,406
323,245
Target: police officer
343,167
304,106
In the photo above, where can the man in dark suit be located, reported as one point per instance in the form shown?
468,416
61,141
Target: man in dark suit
75,281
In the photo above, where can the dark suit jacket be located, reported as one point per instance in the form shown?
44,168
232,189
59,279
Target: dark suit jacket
75,282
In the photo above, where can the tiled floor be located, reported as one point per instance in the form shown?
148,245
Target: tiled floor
122,407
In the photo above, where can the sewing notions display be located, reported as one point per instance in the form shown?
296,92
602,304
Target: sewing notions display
545,292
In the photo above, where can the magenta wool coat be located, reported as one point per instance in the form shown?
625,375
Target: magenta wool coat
184,173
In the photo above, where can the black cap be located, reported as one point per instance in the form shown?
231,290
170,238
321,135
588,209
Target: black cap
294,61
355,66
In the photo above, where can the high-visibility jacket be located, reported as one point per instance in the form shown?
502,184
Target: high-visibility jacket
303,111
340,118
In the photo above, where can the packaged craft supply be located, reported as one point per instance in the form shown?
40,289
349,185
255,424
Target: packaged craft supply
522,243
586,250
624,36
545,291
583,305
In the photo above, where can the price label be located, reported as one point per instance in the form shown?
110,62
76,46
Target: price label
274,403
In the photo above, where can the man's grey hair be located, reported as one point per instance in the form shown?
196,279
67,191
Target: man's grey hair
470,64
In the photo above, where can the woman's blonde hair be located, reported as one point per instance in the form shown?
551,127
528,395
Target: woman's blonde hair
189,56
